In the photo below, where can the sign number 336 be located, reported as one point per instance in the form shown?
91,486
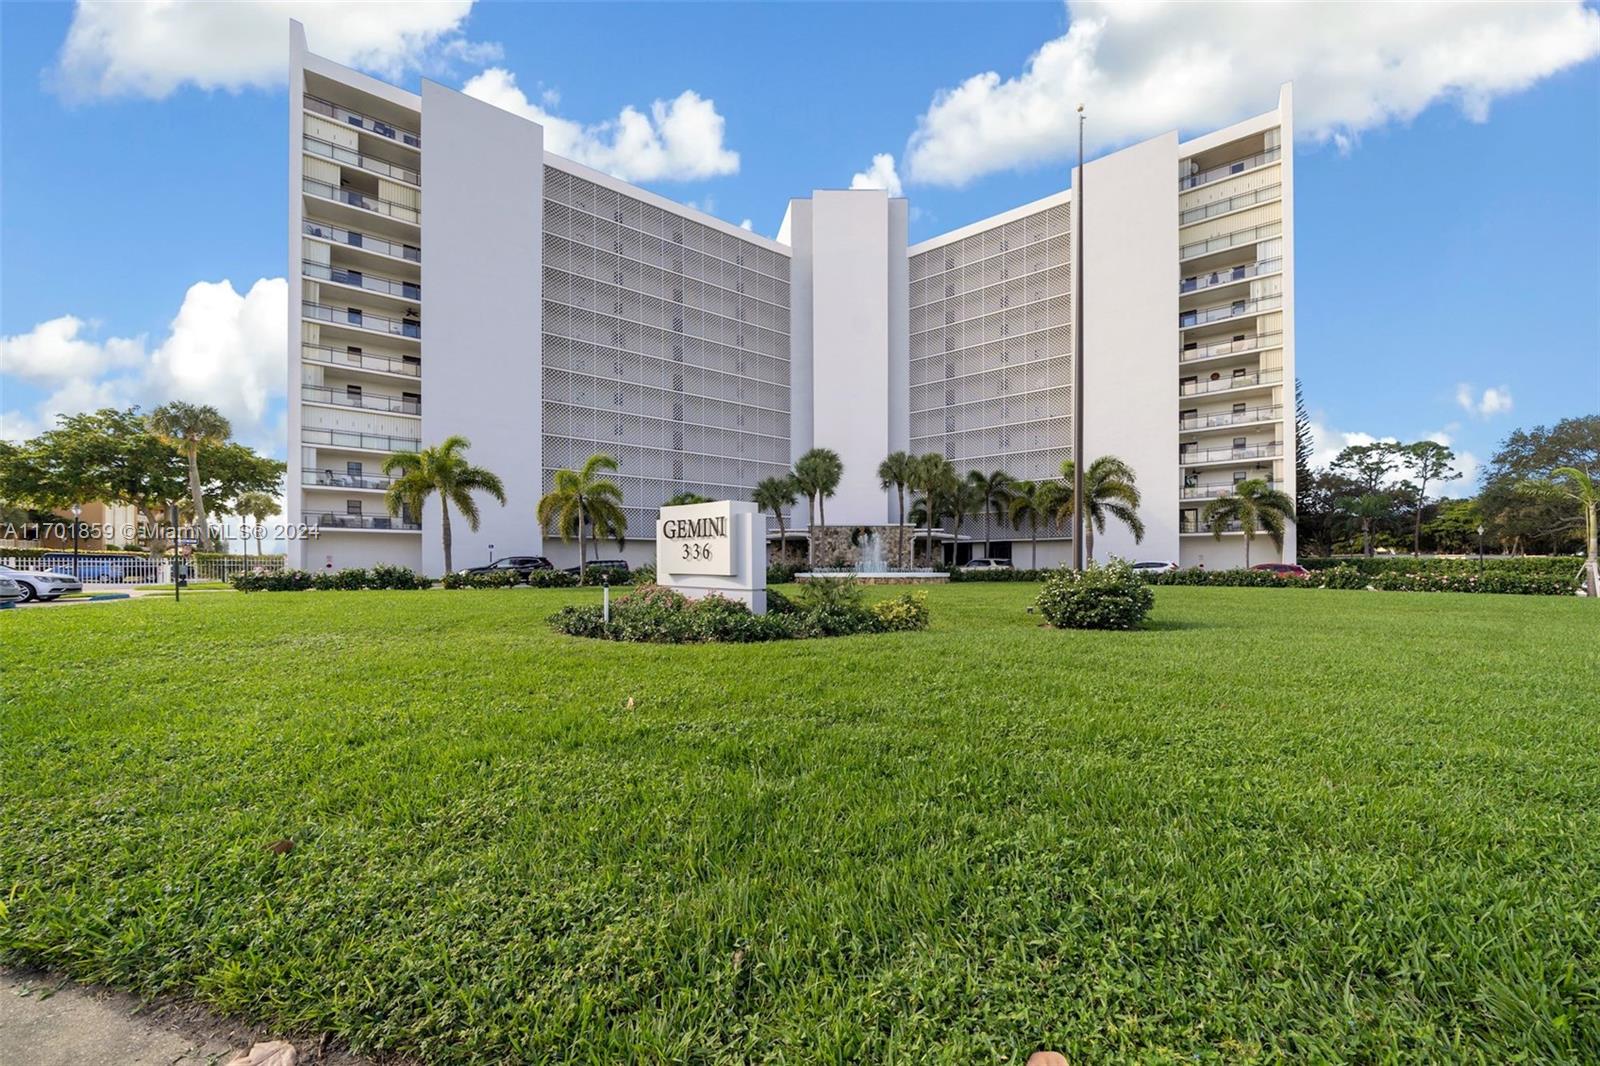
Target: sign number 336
696,551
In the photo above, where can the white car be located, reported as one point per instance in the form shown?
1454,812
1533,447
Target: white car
988,564
1155,566
10,592
42,585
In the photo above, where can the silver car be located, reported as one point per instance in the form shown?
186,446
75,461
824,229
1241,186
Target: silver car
10,592
42,585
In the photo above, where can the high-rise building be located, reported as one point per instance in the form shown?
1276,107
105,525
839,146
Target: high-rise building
449,276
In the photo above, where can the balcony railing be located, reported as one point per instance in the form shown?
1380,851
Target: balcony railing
1228,170
330,478
333,520
1231,418
1185,526
1250,344
367,401
1222,313
404,290
1195,456
374,442
387,364
344,316
366,202
371,164
1265,231
366,241
1213,492
1230,275
1237,381
366,122
1232,203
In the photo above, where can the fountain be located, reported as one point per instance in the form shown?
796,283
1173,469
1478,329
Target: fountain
871,565
872,560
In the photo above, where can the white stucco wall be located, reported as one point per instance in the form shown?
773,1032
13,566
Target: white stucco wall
482,213
1130,355
797,228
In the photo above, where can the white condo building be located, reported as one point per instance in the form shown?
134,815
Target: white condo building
450,276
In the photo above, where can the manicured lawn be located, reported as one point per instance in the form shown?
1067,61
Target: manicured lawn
1305,825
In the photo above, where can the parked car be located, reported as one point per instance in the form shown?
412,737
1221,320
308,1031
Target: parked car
10,592
1155,566
618,568
44,585
1284,569
523,564
981,565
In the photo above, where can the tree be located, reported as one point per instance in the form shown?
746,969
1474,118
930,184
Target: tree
1520,520
1455,527
1426,460
817,474
581,500
966,498
774,494
444,470
1571,483
258,507
1367,464
1368,511
1304,446
188,427
1255,506
1108,489
896,472
684,499
1033,502
994,492
932,476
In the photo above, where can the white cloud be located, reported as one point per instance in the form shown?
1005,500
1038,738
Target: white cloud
1329,442
1492,401
1145,68
151,49
223,348
748,224
680,139
880,175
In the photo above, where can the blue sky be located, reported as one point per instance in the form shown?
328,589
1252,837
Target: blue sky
1448,209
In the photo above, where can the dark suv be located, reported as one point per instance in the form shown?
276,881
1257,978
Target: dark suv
522,564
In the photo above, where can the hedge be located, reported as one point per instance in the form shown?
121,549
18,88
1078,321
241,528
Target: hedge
382,576
1349,577
1547,565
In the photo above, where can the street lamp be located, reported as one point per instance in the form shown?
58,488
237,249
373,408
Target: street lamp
77,510
1480,550
491,555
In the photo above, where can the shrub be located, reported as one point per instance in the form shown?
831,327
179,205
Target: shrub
643,575
489,579
552,579
782,573
1544,565
1227,578
275,581
1530,583
905,613
386,576
1340,577
1098,597
997,574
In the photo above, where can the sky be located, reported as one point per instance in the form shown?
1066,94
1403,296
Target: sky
1447,168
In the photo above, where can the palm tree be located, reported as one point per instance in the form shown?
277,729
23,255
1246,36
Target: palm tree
441,469
994,489
1255,506
1108,489
966,498
583,500
774,494
896,472
817,474
683,499
1366,511
1034,502
932,475
258,507
188,427
1579,485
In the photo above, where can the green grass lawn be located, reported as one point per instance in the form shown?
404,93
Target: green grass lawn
1277,824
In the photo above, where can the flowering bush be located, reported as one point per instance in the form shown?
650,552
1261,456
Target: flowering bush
905,613
1098,597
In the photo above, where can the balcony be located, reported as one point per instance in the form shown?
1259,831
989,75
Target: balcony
359,319
1221,313
381,364
367,442
329,478
364,201
366,401
1229,275
371,164
366,122
1228,384
360,279
1251,235
1214,492
1231,204
1199,457
364,241
1228,170
1260,342
1231,418
333,520
1187,527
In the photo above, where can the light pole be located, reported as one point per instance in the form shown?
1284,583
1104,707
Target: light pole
172,518
77,510
1480,550
1077,369
491,555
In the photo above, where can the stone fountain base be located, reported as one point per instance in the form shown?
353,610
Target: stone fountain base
910,577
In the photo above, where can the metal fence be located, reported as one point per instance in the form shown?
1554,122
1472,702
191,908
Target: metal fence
103,568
